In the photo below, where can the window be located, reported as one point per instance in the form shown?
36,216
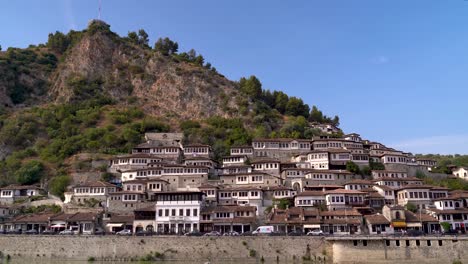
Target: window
173,212
160,212
167,212
195,212
181,212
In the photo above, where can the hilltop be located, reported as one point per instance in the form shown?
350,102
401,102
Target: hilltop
93,91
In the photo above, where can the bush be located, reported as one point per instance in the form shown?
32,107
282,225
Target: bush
252,253
58,185
30,173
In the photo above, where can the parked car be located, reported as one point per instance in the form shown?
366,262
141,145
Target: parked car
67,232
277,233
231,233
14,232
213,233
99,232
193,233
144,233
31,232
263,230
315,232
49,232
125,232
247,233
450,232
414,233
296,233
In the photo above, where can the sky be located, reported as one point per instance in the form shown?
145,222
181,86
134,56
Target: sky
394,71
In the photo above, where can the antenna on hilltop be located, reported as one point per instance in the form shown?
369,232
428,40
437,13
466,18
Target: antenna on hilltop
99,15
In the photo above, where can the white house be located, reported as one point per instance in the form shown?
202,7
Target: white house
461,172
178,212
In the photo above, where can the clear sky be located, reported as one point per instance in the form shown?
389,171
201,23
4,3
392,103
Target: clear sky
395,71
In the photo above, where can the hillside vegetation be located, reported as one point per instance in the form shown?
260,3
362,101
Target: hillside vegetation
94,91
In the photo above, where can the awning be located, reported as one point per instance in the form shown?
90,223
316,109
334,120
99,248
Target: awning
57,226
413,225
312,226
114,225
399,224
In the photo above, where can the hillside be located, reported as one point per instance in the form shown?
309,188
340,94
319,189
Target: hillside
93,91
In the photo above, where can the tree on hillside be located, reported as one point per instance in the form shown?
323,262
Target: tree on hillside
281,101
132,36
58,42
296,107
251,87
316,115
352,167
143,39
30,173
166,46
336,121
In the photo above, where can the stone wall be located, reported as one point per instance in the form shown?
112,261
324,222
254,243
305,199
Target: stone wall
286,249
397,250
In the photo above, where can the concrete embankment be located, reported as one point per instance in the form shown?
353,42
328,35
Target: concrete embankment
282,249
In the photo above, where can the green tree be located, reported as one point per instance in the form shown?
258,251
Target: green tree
296,107
30,173
132,36
58,185
411,207
352,167
445,226
316,115
251,87
166,46
143,38
58,42
376,165
281,101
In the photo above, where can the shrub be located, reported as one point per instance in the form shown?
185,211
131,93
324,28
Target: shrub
252,253
30,173
58,185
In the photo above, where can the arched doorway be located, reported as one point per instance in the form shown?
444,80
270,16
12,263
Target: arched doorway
150,228
297,186
138,229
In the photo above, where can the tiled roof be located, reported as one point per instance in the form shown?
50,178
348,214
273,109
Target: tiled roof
376,219
343,191
310,193
95,184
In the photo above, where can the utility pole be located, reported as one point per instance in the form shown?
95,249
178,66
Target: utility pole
99,11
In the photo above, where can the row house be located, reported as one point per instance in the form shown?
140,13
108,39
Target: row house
135,174
280,148
144,219
420,195
397,182
461,172
325,128
200,161
197,150
344,199
228,218
242,151
328,143
396,219
250,179
354,137
252,196
386,192
132,162
314,177
377,174
340,222
394,158
237,160
240,169
87,191
81,222
172,153
310,199
428,163
358,184
14,192
293,173
451,209
272,167
178,212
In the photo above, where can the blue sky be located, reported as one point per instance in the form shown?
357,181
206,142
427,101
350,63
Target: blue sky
394,71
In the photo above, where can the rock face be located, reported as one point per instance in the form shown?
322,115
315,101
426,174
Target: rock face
162,85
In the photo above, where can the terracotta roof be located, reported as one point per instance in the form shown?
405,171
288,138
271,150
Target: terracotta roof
20,187
122,219
33,218
412,217
376,219
228,208
449,211
277,188
359,181
343,191
279,140
352,221
351,212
